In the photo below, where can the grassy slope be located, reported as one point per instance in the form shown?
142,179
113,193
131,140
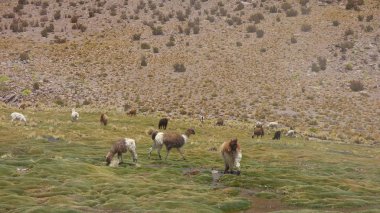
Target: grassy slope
71,175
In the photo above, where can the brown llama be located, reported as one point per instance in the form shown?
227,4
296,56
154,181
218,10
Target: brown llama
258,131
231,153
104,119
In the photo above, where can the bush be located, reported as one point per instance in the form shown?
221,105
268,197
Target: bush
74,19
348,32
157,30
136,37
356,85
306,27
24,56
291,13
304,2
26,92
368,29
179,67
57,15
259,33
155,49
36,86
145,46
44,33
305,10
239,7
286,6
293,40
369,18
322,62
251,29
239,44
273,9
144,63
315,67
336,23
257,17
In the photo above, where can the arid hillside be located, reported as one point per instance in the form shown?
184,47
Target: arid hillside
311,65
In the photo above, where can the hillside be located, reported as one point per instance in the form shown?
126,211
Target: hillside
311,65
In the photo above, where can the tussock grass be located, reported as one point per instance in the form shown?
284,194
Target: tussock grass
66,172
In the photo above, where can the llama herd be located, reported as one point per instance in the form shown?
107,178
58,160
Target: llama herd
229,150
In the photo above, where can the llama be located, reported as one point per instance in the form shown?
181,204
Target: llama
163,123
202,118
18,116
170,140
231,154
132,112
273,124
291,133
277,135
219,122
104,119
258,131
74,115
120,147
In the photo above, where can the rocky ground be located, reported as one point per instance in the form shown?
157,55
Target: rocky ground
244,60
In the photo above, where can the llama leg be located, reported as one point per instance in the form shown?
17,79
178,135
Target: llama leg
159,151
226,168
167,152
150,152
180,151
120,157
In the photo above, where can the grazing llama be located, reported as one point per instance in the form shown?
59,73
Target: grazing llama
120,147
18,117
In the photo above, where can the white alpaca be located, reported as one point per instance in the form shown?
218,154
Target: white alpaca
18,116
74,115
273,124
291,133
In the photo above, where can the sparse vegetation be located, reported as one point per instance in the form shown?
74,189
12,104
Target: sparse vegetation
306,28
179,67
356,85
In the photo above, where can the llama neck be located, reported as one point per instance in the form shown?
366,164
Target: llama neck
185,137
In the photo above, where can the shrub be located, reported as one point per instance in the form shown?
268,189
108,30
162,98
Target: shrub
306,27
44,33
356,85
74,19
239,7
43,12
304,2
257,17
24,56
305,10
18,25
136,37
236,20
368,29
360,17
239,44
57,15
315,67
196,29
293,40
145,46
179,67
291,13
322,63
18,8
348,32
180,16
36,86
286,6
157,30
251,29
59,40
9,15
336,23
210,18
144,63
369,18
273,9
259,33
26,92
155,49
